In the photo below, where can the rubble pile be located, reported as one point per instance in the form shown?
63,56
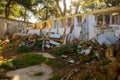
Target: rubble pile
91,60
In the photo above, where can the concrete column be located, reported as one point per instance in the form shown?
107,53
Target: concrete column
75,22
103,23
52,24
111,18
90,26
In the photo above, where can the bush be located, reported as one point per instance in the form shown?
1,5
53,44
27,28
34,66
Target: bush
18,63
7,66
23,49
38,43
65,49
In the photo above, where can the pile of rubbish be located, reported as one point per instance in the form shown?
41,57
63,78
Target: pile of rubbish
91,60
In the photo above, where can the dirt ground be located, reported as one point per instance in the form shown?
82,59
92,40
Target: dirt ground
10,54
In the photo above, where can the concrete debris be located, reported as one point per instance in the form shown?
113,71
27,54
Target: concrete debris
48,46
34,32
55,36
101,39
88,50
64,56
107,38
111,37
54,42
71,61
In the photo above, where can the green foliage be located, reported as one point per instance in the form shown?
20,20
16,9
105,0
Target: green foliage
53,63
38,43
7,66
28,60
65,49
55,77
23,49
17,63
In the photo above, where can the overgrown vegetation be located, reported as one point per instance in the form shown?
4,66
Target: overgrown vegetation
38,43
23,49
53,63
27,60
65,49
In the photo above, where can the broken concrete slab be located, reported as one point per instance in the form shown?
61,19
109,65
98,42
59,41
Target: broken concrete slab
54,43
101,39
110,36
34,32
29,72
55,36
48,46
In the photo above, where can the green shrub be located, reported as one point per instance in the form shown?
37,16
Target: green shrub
65,49
7,66
18,63
23,49
38,43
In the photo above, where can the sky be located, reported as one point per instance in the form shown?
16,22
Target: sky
33,20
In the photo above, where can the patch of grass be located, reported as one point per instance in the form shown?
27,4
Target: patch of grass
7,66
25,61
53,63
28,60
39,74
65,49
23,49
55,77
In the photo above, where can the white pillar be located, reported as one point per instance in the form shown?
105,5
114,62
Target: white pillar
52,24
111,18
90,26
75,22
103,23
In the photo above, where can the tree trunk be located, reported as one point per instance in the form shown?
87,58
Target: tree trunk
25,15
57,2
64,3
7,9
63,13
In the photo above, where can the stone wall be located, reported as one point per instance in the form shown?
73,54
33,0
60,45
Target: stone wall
9,27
